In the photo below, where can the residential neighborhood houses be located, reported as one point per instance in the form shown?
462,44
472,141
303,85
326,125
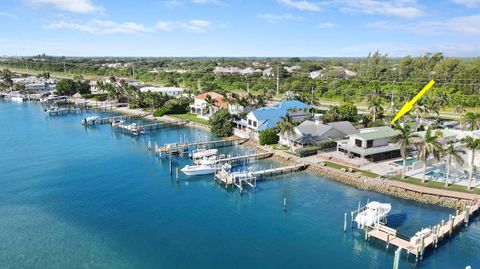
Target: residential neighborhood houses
207,103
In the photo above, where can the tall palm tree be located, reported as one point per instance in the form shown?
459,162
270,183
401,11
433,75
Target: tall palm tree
472,144
209,104
287,128
419,109
460,108
452,153
406,139
375,107
471,121
429,145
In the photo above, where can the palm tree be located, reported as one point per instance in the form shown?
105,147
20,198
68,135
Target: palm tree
460,108
406,139
472,120
473,144
419,109
209,104
429,145
452,153
375,107
287,128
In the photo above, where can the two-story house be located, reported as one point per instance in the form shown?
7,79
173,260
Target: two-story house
268,117
201,107
373,144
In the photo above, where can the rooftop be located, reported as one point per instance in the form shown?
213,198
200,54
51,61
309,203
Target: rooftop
377,133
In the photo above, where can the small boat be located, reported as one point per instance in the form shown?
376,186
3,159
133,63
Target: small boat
418,236
198,170
135,129
199,154
117,122
92,120
17,98
207,160
373,213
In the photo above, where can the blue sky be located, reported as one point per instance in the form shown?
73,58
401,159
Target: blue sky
239,27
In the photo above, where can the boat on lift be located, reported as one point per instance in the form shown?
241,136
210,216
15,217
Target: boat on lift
92,120
203,169
373,213
202,153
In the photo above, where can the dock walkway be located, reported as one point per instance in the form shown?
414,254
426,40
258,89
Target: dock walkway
417,247
182,148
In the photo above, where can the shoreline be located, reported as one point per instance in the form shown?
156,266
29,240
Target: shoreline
385,186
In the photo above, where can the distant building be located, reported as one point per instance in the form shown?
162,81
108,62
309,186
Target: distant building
36,85
268,117
268,72
200,106
170,91
312,132
373,144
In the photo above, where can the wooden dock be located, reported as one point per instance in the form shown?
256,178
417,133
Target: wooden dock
112,119
391,237
240,179
240,158
183,148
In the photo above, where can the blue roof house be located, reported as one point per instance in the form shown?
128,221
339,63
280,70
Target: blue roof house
268,117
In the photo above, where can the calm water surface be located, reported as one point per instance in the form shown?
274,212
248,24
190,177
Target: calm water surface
92,198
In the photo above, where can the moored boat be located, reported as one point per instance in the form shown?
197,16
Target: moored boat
373,213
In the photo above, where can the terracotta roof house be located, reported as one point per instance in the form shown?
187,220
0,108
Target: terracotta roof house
200,106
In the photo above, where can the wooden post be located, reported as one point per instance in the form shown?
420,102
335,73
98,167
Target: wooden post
388,240
351,220
422,247
177,174
467,215
170,167
345,223
451,224
396,260
285,204
365,229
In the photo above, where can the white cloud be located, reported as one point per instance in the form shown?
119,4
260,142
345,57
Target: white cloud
273,18
77,6
102,27
467,25
397,8
6,14
468,3
326,25
301,5
194,26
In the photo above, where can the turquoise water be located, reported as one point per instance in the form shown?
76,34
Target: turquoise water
408,162
437,174
91,198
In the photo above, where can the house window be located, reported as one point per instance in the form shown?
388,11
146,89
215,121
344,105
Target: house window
369,143
249,122
254,124
358,143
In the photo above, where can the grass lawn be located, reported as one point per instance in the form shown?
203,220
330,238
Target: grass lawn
435,184
190,117
339,166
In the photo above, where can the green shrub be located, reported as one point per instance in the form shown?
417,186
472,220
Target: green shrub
221,123
159,112
268,137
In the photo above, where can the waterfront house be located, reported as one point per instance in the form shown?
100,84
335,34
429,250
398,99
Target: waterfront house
170,91
313,132
373,144
201,108
268,117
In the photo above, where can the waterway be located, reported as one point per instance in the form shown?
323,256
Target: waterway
72,197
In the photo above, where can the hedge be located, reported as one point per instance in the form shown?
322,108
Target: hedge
268,137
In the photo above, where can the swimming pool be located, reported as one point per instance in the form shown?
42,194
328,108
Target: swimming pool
436,174
409,162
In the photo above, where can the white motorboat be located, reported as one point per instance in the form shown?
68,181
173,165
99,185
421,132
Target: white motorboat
418,236
17,98
135,129
207,160
199,154
92,120
373,213
197,170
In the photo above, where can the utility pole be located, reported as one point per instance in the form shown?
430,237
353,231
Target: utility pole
278,79
64,67
248,87
311,102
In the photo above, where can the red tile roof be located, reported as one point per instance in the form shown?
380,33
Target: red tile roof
219,100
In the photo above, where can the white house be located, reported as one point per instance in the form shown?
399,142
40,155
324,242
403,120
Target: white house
201,108
170,91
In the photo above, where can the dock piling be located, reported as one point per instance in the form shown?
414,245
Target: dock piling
396,260
467,215
285,204
177,174
170,165
345,223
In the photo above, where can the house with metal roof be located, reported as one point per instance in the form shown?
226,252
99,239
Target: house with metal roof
268,117
374,144
313,132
